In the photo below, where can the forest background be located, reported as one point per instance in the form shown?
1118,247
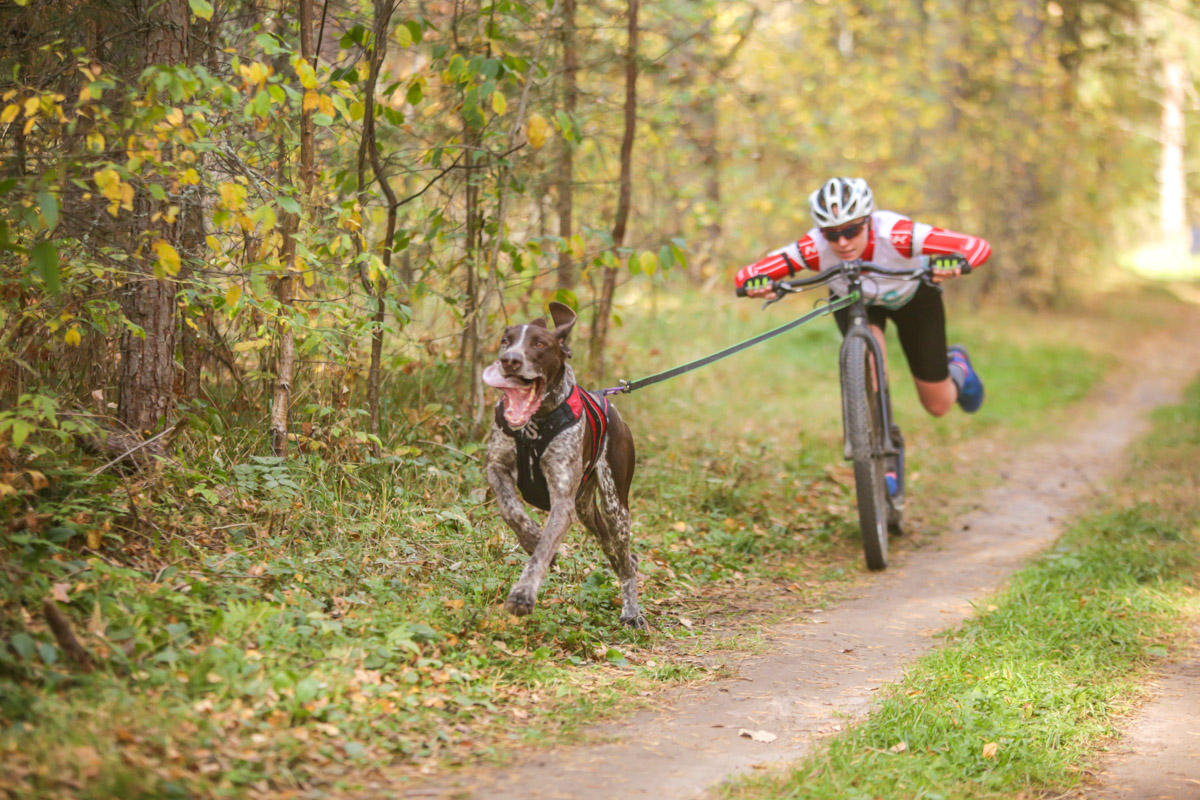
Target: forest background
315,211
254,256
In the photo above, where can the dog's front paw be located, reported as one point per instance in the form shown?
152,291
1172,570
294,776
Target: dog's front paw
520,602
636,621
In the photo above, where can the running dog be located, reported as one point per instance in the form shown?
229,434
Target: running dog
565,450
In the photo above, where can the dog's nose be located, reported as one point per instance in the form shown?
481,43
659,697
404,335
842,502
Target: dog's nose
510,360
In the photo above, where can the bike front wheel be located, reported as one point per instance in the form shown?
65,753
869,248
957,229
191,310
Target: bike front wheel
864,426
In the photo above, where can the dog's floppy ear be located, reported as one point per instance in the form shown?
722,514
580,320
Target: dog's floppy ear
564,320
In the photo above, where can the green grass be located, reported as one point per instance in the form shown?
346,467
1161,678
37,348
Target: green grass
1020,697
316,623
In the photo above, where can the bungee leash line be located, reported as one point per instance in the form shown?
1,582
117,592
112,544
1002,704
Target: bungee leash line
625,387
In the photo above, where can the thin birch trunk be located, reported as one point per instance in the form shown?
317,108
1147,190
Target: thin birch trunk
604,309
379,44
566,165
286,363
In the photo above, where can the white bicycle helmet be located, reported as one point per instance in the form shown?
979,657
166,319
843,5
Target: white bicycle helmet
841,200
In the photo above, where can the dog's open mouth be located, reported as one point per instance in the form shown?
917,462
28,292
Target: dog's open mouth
522,397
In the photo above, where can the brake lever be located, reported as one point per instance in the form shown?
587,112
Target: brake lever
766,303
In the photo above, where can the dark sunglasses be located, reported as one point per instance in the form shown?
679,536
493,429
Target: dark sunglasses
850,231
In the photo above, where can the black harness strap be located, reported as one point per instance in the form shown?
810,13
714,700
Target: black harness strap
533,439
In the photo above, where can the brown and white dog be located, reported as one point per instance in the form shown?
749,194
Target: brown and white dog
566,450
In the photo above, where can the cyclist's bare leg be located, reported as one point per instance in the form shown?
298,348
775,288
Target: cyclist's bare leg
938,396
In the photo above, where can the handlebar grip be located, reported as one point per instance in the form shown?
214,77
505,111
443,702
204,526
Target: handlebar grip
966,268
741,291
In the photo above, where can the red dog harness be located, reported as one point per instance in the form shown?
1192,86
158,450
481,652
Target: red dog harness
532,441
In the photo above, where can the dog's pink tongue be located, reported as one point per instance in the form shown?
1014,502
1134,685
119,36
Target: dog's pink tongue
520,400
494,376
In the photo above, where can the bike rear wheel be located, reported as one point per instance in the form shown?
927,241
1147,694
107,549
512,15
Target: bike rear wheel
864,425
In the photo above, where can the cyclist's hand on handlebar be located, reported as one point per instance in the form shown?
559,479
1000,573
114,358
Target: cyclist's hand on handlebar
942,267
760,286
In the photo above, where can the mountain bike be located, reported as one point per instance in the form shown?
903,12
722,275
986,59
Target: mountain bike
871,438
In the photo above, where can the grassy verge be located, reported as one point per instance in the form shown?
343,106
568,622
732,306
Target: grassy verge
262,626
1021,697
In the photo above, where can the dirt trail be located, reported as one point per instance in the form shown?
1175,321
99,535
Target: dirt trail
1158,756
822,669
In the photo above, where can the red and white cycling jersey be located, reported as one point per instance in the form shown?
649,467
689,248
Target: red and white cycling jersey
895,241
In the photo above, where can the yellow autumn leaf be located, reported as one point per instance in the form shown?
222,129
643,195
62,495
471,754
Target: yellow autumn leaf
189,177
304,71
499,102
95,141
254,74
233,196
312,101
309,277
253,344
214,243
72,337
537,131
648,262
168,257
175,117
9,113
990,750
94,541
109,183
326,106
31,106
232,295
126,200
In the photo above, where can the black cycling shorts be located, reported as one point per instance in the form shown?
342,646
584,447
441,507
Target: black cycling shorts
921,326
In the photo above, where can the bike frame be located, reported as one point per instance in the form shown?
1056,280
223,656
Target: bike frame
859,327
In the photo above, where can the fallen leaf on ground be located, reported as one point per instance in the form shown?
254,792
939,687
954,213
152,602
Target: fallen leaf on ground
758,736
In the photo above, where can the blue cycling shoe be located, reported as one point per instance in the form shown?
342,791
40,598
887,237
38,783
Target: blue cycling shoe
893,483
970,387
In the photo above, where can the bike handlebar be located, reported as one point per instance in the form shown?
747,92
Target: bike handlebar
800,284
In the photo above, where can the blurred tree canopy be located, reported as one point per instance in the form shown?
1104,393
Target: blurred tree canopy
302,211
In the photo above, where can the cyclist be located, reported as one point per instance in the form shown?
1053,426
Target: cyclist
849,228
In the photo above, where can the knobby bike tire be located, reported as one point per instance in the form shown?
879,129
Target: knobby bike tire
865,428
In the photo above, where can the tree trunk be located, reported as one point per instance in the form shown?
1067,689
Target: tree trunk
286,360
566,165
1172,177
192,236
604,308
383,15
147,371
468,360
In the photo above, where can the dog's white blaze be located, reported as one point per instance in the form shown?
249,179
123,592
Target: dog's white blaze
520,340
